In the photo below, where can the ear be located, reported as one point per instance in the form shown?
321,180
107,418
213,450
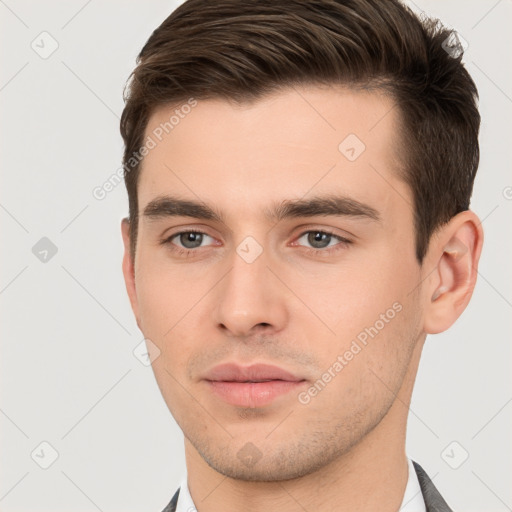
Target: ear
129,269
453,255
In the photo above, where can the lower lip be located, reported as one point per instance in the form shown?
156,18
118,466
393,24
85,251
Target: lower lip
252,394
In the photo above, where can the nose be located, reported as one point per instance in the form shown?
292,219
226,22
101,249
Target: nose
250,299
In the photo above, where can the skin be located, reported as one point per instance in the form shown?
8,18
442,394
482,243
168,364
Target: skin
297,306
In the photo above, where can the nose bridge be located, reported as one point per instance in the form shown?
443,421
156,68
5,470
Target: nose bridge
249,294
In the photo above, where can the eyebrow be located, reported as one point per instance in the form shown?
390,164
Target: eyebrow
329,205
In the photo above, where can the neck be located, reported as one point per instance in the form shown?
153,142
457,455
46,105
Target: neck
371,476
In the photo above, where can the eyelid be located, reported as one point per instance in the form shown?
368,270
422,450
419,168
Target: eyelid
336,232
166,239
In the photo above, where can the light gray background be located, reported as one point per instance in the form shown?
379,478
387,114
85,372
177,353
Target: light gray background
68,374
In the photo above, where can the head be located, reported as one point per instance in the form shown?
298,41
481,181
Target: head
324,152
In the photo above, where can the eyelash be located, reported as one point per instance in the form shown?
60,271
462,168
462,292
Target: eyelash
343,242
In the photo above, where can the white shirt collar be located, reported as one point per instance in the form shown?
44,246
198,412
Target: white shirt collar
412,501
185,503
413,497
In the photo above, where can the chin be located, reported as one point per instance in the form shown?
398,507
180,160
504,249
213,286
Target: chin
251,464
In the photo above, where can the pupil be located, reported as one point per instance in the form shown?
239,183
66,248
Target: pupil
317,236
191,240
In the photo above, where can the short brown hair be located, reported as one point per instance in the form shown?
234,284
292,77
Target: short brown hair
240,50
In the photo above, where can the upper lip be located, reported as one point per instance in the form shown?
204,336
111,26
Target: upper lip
231,372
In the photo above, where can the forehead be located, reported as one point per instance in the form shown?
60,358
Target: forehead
300,139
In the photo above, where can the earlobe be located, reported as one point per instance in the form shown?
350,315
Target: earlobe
455,253
129,269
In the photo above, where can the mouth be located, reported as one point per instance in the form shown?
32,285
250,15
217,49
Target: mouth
251,386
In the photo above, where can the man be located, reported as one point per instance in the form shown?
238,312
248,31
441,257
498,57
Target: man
299,177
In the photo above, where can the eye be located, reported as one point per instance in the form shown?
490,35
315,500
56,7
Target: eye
187,240
320,240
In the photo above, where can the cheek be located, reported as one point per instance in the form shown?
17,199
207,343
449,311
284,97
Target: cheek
165,293
375,321
364,367
352,295
172,312
166,309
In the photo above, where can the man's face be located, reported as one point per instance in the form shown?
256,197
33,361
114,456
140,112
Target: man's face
332,299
